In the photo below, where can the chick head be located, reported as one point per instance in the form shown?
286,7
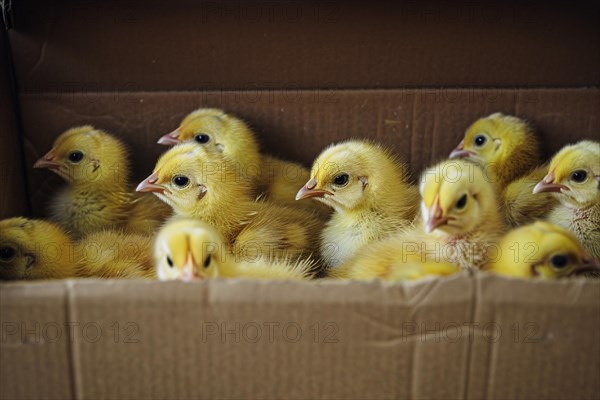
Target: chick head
188,249
574,175
34,249
543,250
219,133
190,179
456,197
87,155
501,142
351,175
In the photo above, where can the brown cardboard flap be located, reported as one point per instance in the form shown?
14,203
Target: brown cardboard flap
552,327
244,339
423,125
35,354
181,45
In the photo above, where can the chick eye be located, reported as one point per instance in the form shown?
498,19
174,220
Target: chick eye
170,261
480,140
6,253
341,179
202,138
181,181
207,261
462,202
579,176
75,156
559,261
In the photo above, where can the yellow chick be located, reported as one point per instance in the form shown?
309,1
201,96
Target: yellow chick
574,178
223,133
507,148
37,249
368,188
189,249
459,229
542,250
199,184
96,166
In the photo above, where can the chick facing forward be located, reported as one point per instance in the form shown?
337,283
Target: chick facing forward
507,148
96,167
368,189
574,178
542,250
37,249
188,249
459,229
222,133
199,184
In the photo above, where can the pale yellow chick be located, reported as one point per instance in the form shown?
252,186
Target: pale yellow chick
96,167
574,178
37,249
198,184
225,134
368,188
189,249
459,229
507,148
542,250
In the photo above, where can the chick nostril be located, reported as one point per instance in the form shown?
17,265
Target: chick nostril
311,184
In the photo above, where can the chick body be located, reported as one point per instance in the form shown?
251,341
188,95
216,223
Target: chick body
369,191
189,249
97,197
542,250
507,148
38,249
460,228
199,184
574,179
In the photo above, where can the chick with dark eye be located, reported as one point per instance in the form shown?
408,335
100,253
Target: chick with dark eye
202,138
170,261
480,140
75,156
341,180
579,176
462,202
7,253
181,181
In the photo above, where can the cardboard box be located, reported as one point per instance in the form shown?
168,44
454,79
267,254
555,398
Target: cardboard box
412,75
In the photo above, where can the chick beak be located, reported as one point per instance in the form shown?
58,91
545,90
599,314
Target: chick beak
309,190
588,265
47,161
547,185
436,218
149,185
170,139
460,152
190,270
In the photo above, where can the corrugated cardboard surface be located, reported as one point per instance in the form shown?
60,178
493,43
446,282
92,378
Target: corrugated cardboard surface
431,339
536,340
423,125
184,45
